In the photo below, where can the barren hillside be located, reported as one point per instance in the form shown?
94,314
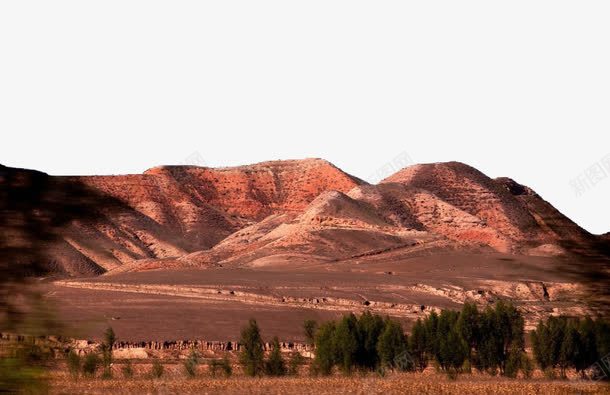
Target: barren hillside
299,212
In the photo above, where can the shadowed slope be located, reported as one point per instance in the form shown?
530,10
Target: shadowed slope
170,211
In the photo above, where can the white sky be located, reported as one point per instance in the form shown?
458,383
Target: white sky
519,88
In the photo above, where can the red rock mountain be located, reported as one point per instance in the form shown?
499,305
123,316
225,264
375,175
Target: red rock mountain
298,212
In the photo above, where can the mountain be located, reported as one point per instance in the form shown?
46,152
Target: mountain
519,219
170,211
301,212
431,207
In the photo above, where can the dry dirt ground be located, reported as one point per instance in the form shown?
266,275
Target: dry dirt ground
214,303
398,384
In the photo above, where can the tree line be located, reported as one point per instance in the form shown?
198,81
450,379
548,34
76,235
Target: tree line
567,342
491,340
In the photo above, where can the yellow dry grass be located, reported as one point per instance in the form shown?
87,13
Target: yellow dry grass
395,384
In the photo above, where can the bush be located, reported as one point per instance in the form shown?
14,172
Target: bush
91,364
214,364
275,365
296,360
252,355
127,370
224,365
190,365
74,363
106,374
156,370
226,368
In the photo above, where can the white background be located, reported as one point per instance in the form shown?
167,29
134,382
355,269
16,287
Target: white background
519,88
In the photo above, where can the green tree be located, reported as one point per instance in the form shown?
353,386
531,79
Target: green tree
451,347
510,327
275,365
325,348
417,345
588,346
106,347
602,336
309,329
453,350
370,327
392,347
468,327
346,343
514,362
569,351
557,329
489,345
252,354
432,338
501,331
564,343
541,346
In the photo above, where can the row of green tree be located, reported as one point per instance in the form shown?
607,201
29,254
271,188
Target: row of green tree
566,342
492,341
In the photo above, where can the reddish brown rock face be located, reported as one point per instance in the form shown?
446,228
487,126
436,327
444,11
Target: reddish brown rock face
303,211
170,211
500,213
257,191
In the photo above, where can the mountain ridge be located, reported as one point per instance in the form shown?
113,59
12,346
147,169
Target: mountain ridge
305,211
